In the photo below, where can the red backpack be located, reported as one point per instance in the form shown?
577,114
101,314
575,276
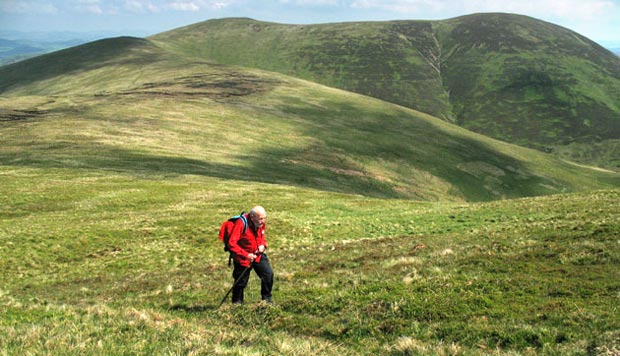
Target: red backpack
226,229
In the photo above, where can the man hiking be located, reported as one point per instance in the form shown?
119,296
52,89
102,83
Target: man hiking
247,246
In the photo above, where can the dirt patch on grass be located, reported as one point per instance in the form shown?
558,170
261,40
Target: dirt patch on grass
214,86
19,115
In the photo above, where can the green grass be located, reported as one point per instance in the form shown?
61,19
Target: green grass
386,235
109,263
604,154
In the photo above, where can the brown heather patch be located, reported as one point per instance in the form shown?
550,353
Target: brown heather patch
17,115
208,85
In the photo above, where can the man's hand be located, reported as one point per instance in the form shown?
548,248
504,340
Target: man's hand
261,249
251,257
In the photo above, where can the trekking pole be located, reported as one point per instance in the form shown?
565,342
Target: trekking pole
237,281
234,285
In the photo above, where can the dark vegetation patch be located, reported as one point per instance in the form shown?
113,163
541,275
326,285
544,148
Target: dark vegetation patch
215,86
386,64
18,115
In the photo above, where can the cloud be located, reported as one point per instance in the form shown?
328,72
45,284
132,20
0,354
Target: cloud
311,2
403,6
27,7
198,5
140,6
567,9
89,6
184,6
115,7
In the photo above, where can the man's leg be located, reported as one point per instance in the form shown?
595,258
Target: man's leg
237,291
263,270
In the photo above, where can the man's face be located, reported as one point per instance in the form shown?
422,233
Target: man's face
259,218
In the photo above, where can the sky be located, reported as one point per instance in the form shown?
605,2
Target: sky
598,20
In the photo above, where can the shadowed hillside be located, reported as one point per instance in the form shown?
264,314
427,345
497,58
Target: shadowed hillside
126,104
530,82
511,77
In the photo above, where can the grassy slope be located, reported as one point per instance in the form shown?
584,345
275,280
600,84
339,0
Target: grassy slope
372,58
530,82
100,262
113,188
141,109
510,77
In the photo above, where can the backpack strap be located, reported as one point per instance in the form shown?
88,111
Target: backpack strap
245,221
243,218
245,227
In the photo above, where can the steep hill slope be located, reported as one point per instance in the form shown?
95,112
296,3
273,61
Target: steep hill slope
511,77
125,104
528,81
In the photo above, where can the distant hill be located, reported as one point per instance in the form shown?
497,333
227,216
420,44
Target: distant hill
128,105
11,51
511,77
16,50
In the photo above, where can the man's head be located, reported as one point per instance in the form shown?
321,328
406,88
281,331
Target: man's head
258,215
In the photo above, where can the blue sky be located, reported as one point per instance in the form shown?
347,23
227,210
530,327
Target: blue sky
598,20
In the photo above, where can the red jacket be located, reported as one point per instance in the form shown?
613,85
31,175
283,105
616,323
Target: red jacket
242,244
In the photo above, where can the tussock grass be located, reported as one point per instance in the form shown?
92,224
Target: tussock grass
111,199
123,264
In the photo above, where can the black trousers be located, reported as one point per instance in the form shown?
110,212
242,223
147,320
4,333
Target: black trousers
264,272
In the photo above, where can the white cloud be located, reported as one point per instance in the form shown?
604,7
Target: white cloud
184,6
311,2
91,9
27,7
403,6
567,9
598,19
88,6
197,5
140,6
564,9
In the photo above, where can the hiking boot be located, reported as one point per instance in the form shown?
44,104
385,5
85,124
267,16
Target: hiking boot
268,300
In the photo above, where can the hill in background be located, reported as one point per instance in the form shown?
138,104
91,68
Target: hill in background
16,50
511,77
128,104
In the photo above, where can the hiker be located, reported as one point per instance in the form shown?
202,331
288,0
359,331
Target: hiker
248,251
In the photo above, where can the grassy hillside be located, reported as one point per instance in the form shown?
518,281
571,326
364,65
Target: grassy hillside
510,77
120,159
134,107
387,60
530,82
96,261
